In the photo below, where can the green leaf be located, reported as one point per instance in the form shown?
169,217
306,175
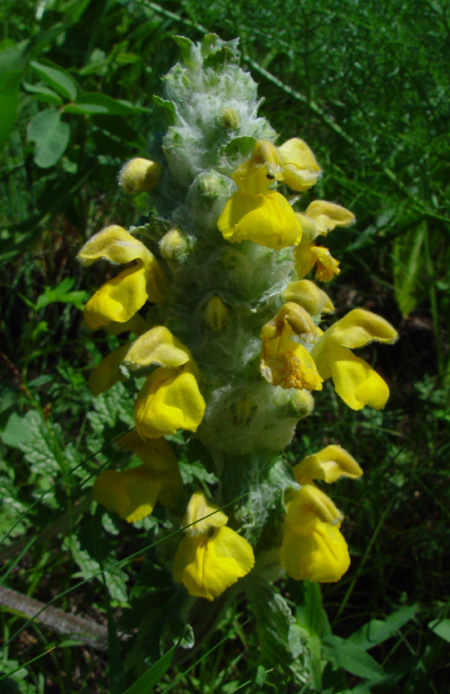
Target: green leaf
188,51
74,9
410,284
352,658
57,79
278,634
441,627
62,294
377,630
90,103
239,147
167,108
14,57
44,93
153,675
16,431
9,103
114,578
51,136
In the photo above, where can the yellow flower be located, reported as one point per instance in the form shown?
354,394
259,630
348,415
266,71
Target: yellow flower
211,557
328,464
354,380
285,362
306,255
133,493
313,547
267,219
299,167
319,218
170,398
256,213
121,297
322,216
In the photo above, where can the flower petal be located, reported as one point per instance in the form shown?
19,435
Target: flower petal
289,365
304,259
299,165
267,219
209,565
313,546
168,401
157,455
114,244
130,493
360,327
328,464
258,173
158,346
327,216
311,499
354,380
315,551
199,512
118,299
308,295
327,266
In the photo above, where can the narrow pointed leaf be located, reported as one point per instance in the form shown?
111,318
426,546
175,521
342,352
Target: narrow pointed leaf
57,79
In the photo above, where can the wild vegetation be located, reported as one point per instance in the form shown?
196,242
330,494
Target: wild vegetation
366,85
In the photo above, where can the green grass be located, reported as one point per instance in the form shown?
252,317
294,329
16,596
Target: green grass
366,85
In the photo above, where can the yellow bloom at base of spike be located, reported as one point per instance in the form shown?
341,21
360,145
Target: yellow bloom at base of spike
354,380
313,547
133,493
211,557
169,400
285,362
267,219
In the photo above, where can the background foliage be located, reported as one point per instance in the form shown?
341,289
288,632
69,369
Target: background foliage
366,84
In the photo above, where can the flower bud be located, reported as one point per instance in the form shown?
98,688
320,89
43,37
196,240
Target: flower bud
243,410
302,403
216,314
139,175
308,295
229,118
174,245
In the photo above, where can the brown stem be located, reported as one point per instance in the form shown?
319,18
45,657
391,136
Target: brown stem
88,631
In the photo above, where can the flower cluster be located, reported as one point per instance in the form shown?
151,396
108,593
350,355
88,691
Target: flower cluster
224,324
